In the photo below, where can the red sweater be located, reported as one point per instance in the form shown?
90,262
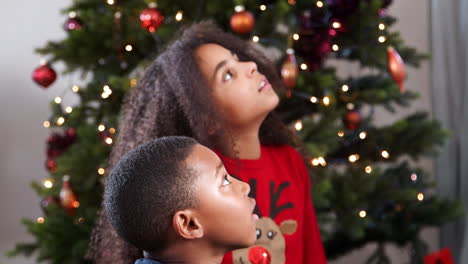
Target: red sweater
280,184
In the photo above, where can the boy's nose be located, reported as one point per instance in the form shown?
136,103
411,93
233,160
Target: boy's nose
245,188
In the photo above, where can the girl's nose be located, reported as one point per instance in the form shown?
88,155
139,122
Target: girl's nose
251,68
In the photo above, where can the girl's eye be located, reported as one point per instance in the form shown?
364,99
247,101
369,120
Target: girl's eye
226,181
227,76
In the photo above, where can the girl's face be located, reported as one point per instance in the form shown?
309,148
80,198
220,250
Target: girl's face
244,95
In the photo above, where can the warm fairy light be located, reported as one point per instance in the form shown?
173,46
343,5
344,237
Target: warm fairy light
326,101
107,89
60,121
263,7
117,15
101,171
133,82
296,36
68,109
128,47
322,161
382,39
298,125
75,88
335,47
239,8
414,177
362,213
40,220
112,130
381,26
313,99
105,95
58,100
350,106
345,88
179,16
110,2
420,196
48,183
46,124
319,4
101,127
303,66
315,162
353,157
385,154
81,220
43,62
292,2
255,38
109,141
340,133
368,169
336,24
72,14
76,204
362,135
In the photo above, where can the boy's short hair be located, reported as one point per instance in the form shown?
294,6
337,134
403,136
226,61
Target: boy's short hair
146,187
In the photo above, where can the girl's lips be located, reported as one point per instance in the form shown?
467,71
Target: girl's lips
265,87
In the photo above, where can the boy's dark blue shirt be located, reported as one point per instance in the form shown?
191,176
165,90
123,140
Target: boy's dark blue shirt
147,261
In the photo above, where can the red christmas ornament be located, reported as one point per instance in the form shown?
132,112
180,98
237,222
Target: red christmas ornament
67,197
443,256
151,18
352,120
51,165
44,75
259,255
289,72
73,23
396,67
242,21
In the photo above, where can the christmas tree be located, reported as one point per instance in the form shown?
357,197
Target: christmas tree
367,188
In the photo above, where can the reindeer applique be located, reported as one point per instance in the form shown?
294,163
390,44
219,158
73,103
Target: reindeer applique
269,234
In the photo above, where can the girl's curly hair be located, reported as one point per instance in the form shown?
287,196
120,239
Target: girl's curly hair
173,98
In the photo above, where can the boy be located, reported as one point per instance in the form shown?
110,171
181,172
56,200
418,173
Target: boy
173,199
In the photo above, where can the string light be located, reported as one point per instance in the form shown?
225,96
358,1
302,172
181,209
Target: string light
110,2
263,7
117,15
368,169
133,82
60,121
336,24
40,220
335,47
414,177
385,154
46,124
107,89
239,8
101,171
58,100
381,26
345,88
315,162
296,36
326,101
76,204
313,99
292,2
69,109
75,88
362,135
128,47
81,220
112,130
255,39
72,14
322,161
48,183
298,125
353,158
179,16
362,213
340,133
350,106
382,39
108,141
420,196
319,4
101,127
303,66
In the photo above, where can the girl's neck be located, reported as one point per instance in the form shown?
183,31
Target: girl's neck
247,144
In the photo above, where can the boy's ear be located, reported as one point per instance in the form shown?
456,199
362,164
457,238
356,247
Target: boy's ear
187,225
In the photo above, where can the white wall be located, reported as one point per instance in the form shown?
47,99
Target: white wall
25,25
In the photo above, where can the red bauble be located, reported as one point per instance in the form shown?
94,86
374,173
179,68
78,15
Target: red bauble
151,18
289,72
259,255
242,22
352,120
396,67
51,165
73,23
67,196
44,75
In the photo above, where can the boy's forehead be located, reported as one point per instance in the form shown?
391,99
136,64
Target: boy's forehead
202,159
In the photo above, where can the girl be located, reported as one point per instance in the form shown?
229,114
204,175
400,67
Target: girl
221,90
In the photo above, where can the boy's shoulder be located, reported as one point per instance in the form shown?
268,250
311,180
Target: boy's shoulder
147,261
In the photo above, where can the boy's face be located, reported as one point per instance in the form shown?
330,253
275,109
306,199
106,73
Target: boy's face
224,208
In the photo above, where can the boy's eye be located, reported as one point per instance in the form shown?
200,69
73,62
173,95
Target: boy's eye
226,181
227,76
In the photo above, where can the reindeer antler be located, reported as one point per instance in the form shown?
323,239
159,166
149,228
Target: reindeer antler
274,208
